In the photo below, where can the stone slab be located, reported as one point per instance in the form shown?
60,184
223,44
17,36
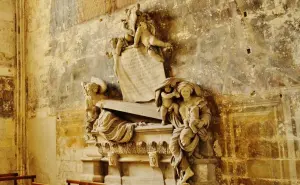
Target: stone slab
146,110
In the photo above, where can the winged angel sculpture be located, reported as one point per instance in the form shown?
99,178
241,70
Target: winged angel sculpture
139,29
102,121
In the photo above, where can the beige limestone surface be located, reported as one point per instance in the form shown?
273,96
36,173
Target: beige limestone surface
7,59
249,49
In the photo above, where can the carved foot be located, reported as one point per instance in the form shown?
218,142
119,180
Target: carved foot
188,173
168,45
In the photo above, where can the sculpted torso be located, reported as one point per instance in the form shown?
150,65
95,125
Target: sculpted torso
185,107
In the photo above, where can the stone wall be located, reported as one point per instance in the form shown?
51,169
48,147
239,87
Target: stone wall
260,140
7,59
232,48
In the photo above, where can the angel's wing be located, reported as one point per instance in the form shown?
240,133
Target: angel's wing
158,100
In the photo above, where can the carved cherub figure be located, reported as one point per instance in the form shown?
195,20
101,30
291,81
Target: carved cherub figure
168,104
164,98
148,40
94,92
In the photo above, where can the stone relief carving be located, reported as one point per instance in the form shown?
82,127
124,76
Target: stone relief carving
191,135
103,121
140,28
112,158
138,56
94,93
164,98
184,111
153,159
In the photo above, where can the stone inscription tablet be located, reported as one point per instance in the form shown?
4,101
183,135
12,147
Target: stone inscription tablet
139,75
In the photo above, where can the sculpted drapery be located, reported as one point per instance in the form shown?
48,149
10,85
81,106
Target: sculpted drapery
102,121
191,136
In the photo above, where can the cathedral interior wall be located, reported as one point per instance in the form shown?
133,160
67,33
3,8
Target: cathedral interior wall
244,53
7,61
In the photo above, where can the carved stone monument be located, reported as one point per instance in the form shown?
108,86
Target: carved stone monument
139,57
131,143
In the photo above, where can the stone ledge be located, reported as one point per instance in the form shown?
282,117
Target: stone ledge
145,158
155,128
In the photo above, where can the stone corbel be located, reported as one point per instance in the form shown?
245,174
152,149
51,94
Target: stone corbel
153,159
113,159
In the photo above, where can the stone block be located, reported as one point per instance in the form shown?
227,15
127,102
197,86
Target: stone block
264,168
265,182
201,173
113,180
230,168
6,143
298,168
252,130
244,181
240,168
224,167
141,180
241,148
230,148
263,149
268,129
7,11
93,169
285,169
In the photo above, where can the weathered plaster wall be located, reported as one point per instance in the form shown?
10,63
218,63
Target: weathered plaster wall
7,58
231,47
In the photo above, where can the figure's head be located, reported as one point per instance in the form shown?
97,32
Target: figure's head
143,25
185,89
92,88
168,89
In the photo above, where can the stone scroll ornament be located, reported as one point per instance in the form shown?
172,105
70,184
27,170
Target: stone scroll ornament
183,105
139,56
103,121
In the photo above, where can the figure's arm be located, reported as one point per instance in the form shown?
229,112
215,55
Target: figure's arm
137,37
87,105
206,115
119,47
167,95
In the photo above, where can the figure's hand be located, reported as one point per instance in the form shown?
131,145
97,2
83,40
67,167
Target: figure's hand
177,95
203,134
200,124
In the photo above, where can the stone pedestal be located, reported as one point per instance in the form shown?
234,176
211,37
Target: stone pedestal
93,168
205,172
145,160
